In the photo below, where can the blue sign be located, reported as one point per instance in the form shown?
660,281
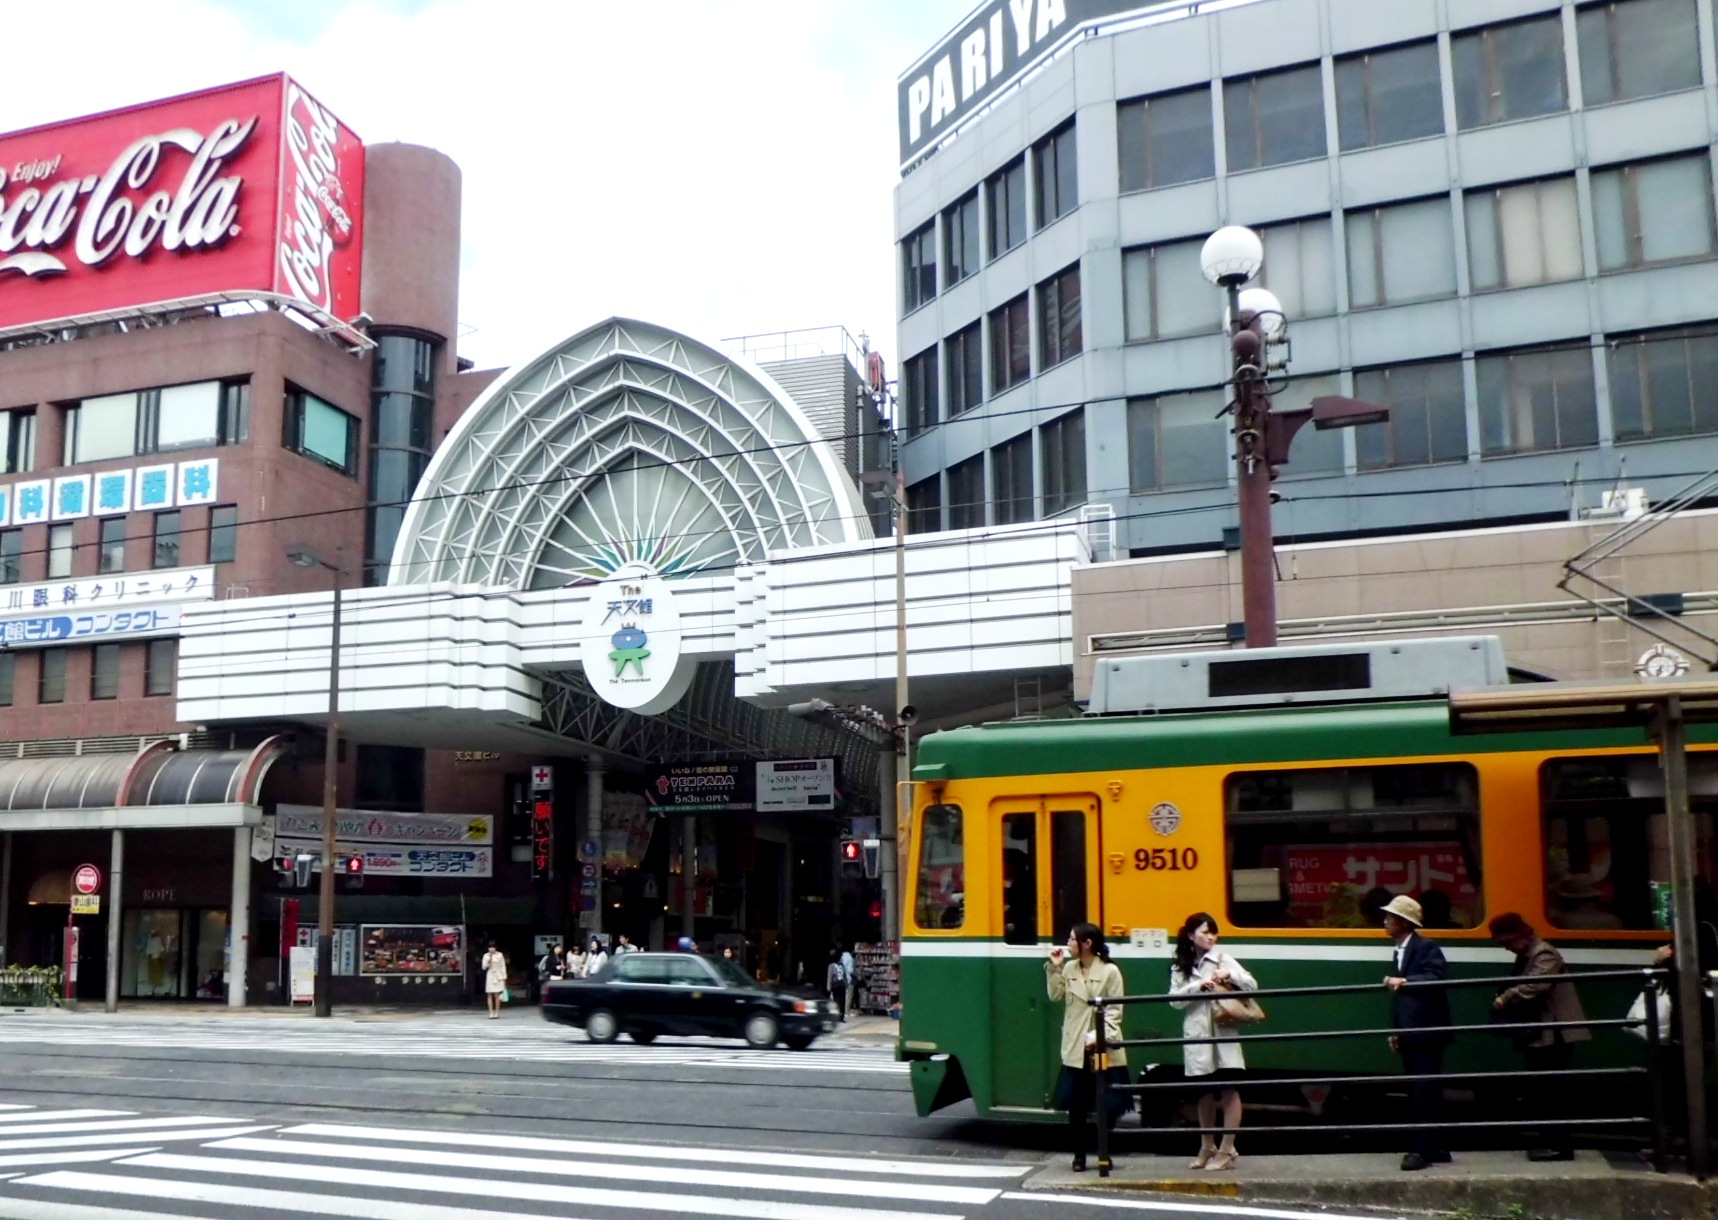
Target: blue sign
105,624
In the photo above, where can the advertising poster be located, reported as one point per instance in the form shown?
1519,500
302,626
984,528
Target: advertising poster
702,788
411,950
1327,884
797,785
303,974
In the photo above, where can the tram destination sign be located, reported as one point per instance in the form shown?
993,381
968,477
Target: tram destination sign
999,43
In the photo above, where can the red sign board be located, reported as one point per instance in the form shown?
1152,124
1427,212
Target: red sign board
87,879
250,187
1325,883
542,839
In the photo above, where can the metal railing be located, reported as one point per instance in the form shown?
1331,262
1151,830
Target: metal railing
1648,979
30,986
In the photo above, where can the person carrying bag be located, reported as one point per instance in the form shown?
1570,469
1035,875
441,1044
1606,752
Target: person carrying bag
1199,968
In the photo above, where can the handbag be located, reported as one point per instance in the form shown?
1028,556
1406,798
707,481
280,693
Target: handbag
506,996
1236,1007
1650,1005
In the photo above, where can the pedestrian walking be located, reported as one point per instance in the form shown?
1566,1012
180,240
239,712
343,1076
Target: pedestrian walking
835,982
553,964
1418,960
847,969
1200,967
1076,975
494,978
1544,996
595,957
623,944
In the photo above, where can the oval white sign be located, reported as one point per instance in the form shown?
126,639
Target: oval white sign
630,642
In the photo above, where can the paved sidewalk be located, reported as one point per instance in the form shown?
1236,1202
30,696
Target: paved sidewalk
1594,1186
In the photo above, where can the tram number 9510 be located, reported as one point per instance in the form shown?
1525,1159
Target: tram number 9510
1168,859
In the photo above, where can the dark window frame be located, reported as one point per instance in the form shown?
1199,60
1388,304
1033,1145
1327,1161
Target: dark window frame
1059,338
1137,128
919,391
62,560
925,505
106,541
167,535
966,498
1011,344
1252,124
1062,461
1005,203
1501,92
1010,465
104,671
962,239
919,267
1367,81
1598,27
1055,176
161,660
51,664
963,364
296,400
223,533
1412,401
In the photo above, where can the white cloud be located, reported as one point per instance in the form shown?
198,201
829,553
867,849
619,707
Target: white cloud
721,166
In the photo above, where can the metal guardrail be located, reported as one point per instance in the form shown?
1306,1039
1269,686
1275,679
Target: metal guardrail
1646,978
31,987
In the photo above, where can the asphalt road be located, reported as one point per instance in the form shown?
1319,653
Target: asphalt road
458,1118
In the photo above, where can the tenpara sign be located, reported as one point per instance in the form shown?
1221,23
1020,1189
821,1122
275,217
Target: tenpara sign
985,54
630,642
250,187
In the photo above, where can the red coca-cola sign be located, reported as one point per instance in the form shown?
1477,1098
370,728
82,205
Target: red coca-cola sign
251,187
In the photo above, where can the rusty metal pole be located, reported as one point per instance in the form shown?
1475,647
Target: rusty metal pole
1685,938
1253,470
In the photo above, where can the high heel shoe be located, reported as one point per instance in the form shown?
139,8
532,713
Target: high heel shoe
1079,1165
1203,1159
1222,1161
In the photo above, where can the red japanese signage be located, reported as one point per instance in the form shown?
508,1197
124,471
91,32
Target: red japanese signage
251,187
1326,885
542,839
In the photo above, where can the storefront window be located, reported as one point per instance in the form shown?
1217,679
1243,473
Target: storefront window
151,965
942,869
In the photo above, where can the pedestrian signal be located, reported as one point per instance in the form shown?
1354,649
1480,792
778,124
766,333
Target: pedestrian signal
353,866
301,869
852,859
873,858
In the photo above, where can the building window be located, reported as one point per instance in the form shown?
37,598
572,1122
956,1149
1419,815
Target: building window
960,238
11,556
1010,345
1165,294
8,677
919,267
166,553
1011,480
1525,234
925,506
158,667
235,412
51,676
1534,401
60,542
1428,415
1405,252
1056,167
195,416
1661,384
1274,118
1299,267
966,494
1178,440
964,352
112,558
104,672
20,441
940,894
1654,212
1389,95
1315,452
919,391
1059,317
223,533
1166,139
1062,443
101,428
1325,847
1005,201
320,430
1509,72
1636,48
390,777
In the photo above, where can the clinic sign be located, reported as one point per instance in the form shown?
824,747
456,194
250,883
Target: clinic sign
999,43
249,187
630,642
110,492
96,609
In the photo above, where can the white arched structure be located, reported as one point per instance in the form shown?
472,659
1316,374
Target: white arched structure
626,443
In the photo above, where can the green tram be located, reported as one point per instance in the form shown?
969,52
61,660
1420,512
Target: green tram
1290,823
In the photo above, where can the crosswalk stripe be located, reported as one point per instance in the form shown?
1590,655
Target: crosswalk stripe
72,1156
127,1124
605,1150
128,1137
665,1175
528,1192
48,1115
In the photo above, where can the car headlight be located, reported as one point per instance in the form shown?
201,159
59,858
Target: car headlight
805,1005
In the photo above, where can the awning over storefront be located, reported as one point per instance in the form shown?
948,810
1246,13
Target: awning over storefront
157,788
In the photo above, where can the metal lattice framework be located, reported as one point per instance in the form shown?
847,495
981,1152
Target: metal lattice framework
626,442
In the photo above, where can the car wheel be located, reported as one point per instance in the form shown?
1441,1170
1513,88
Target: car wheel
601,1026
644,1037
799,1042
761,1029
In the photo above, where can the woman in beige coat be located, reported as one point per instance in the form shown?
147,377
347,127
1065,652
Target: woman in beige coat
1077,975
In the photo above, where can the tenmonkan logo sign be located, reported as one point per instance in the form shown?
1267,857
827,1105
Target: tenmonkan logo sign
630,642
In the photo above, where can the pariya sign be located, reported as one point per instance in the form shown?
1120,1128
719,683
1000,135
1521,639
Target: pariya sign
250,187
630,642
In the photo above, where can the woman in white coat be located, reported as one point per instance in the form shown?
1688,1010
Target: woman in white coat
1201,967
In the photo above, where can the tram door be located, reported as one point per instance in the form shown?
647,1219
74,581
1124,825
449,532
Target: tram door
1046,872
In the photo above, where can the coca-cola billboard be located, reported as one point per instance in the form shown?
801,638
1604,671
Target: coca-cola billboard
254,187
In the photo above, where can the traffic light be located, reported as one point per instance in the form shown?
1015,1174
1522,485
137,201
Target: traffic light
852,858
353,867
301,864
873,858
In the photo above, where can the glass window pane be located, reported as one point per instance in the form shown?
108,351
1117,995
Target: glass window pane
166,540
966,494
1240,132
1192,440
1136,294
1068,900
189,415
327,432
940,895
112,545
1675,204
1182,139
223,533
1020,878
1529,67
59,551
1560,224
106,428
51,676
1182,296
1290,107
159,664
1625,361
1418,244
1314,452
1142,449
1473,95
1519,226
1407,95
1610,220
1484,269
8,677
1598,82
1364,284
104,672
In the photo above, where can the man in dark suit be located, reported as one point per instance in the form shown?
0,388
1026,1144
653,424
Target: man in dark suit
1418,960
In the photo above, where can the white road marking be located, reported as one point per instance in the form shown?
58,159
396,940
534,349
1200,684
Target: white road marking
130,1137
604,1150
1205,1209
46,1209
150,1125
74,1157
662,1175
551,1192
35,1115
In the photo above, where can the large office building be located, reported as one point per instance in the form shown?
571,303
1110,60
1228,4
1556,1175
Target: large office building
1493,216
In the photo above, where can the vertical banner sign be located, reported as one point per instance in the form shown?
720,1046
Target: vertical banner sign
542,839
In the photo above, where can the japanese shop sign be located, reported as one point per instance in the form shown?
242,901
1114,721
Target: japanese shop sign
47,630
630,642
542,840
1320,879
702,788
144,488
100,607
253,186
363,826
402,859
797,785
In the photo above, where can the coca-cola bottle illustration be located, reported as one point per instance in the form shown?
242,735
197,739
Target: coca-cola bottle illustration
332,196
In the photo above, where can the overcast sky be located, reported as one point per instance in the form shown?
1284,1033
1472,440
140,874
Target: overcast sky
723,167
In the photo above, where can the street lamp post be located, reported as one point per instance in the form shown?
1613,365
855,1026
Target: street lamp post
323,1006
1258,344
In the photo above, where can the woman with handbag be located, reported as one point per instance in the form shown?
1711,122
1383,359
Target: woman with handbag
1200,968
1077,975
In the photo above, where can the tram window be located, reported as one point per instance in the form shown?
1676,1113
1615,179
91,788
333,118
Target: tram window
1020,878
1326,847
1068,869
1606,841
942,869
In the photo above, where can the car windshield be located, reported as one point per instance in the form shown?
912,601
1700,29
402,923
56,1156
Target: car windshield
731,974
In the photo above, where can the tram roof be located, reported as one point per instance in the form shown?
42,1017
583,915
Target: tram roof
1297,734
1541,706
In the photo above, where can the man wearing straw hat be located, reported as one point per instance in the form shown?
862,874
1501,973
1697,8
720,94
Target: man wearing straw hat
1418,960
